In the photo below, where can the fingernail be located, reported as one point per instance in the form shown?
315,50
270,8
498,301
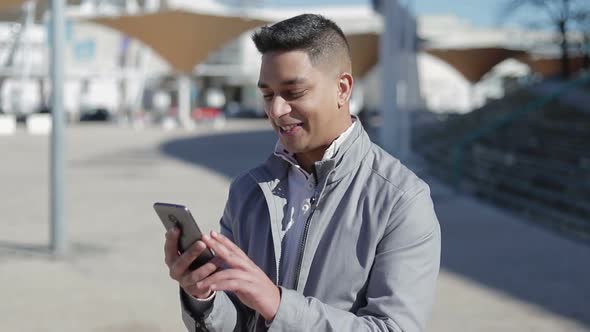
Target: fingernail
205,237
214,233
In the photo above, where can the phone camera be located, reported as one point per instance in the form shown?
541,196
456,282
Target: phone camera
173,219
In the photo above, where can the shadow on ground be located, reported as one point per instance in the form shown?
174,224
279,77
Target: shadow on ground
10,249
227,154
516,258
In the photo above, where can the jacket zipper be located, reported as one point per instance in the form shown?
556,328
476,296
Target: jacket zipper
278,269
303,241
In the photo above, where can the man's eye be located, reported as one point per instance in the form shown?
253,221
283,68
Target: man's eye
295,94
267,97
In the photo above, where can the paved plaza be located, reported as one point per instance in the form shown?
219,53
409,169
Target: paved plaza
499,272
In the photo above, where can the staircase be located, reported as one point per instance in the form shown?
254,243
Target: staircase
537,164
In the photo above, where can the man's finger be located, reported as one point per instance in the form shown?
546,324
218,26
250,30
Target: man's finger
231,274
229,244
221,251
171,246
181,264
230,285
190,279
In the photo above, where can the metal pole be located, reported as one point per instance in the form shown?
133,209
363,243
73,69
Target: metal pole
57,246
184,101
388,56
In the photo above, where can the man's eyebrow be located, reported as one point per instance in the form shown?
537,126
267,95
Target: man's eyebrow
297,80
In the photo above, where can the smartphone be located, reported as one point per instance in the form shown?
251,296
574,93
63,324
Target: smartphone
173,215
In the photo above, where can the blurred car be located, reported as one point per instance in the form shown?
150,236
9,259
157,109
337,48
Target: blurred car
201,114
97,114
234,110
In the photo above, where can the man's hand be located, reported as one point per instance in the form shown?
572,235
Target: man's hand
242,277
178,265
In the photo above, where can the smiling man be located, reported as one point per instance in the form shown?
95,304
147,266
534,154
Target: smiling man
330,233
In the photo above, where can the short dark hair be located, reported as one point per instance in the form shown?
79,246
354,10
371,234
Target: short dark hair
314,34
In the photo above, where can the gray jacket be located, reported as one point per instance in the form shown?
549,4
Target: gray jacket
370,253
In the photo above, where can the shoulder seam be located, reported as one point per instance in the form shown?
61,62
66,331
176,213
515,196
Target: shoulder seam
377,173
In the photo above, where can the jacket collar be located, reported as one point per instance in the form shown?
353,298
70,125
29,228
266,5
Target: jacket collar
348,157
330,153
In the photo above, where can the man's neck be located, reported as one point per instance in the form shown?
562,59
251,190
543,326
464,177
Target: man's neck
307,160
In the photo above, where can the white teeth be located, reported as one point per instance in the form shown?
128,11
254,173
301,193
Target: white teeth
287,128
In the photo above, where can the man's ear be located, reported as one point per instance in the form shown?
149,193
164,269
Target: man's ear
345,82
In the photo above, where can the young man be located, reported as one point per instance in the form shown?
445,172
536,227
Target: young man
331,233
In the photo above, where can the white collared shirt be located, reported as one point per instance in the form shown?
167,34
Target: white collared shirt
302,186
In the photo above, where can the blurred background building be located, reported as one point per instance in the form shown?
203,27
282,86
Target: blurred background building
181,62
112,74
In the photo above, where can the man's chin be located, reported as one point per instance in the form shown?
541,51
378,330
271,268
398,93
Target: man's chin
292,148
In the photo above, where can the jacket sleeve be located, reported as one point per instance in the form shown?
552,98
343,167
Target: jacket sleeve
225,312
400,290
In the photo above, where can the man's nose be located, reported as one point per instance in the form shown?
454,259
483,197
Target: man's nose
279,107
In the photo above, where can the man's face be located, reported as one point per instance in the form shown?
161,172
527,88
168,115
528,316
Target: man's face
300,100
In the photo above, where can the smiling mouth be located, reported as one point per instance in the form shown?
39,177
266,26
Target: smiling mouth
286,129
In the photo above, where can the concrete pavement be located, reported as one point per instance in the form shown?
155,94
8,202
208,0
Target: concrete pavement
498,273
